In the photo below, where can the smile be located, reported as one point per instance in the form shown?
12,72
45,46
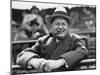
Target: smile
60,30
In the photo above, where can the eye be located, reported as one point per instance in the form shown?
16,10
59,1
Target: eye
63,24
57,23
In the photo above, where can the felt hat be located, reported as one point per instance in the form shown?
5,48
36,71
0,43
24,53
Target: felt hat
59,12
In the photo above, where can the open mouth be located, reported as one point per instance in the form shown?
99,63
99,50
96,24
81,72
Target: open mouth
60,30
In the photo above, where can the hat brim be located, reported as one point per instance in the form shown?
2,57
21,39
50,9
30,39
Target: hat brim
49,18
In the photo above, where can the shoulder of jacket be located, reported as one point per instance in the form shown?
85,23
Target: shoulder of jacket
76,36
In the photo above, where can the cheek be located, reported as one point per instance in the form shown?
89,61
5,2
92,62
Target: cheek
53,27
66,27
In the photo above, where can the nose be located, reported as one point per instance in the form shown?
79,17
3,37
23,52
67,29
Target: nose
60,26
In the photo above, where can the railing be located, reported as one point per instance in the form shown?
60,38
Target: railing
83,65
23,42
83,62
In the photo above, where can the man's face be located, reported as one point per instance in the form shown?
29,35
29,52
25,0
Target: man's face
60,27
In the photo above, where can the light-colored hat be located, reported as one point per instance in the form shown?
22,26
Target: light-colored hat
59,12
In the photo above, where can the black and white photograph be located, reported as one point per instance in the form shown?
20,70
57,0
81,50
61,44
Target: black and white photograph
52,37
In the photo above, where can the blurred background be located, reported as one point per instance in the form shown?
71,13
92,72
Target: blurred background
28,23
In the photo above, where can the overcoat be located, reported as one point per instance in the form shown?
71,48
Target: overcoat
72,49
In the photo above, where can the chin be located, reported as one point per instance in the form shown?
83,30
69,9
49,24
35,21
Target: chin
61,35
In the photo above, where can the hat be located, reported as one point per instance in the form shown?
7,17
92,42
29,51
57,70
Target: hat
59,12
34,7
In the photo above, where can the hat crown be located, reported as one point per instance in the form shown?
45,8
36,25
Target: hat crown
60,8
59,12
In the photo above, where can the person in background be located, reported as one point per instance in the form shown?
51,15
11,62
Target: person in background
57,51
32,27
14,27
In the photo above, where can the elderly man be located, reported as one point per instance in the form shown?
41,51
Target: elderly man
58,51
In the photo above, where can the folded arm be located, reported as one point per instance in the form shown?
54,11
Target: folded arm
76,55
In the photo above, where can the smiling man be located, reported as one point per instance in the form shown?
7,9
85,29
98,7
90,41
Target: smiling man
57,51
60,27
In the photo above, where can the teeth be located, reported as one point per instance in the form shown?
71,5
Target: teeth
60,30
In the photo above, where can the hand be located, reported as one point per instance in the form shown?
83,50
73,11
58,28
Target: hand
42,64
36,63
53,64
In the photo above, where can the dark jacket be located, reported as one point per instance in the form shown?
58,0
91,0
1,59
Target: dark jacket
72,49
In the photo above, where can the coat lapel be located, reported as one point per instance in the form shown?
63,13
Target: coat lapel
50,45
63,47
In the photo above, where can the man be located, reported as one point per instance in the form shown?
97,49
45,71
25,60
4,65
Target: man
58,51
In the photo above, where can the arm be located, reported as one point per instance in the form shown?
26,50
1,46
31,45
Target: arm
76,55
25,56
28,54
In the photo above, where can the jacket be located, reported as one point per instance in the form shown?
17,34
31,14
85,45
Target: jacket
72,49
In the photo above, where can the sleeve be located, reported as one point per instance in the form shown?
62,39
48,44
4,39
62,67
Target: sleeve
76,55
27,54
65,63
